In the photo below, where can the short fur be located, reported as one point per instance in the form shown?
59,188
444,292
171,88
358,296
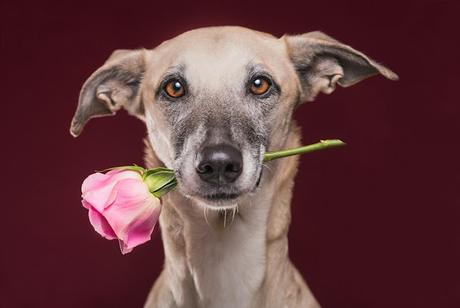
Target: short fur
230,252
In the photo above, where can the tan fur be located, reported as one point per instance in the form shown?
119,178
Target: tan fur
237,257
281,286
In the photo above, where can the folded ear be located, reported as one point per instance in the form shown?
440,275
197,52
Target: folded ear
114,85
322,62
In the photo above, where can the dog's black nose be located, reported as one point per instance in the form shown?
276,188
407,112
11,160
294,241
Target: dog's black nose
219,164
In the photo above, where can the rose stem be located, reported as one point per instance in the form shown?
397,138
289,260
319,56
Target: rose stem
322,144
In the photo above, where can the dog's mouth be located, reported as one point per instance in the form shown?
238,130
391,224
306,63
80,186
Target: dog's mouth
218,198
221,196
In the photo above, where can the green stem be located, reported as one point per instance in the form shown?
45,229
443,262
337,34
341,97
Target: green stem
323,144
161,180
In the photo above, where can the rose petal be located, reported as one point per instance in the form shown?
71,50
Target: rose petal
98,189
132,199
140,230
133,214
99,223
93,181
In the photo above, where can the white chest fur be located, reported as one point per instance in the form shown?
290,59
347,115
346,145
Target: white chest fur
228,264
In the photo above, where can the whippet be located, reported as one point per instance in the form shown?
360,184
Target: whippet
214,100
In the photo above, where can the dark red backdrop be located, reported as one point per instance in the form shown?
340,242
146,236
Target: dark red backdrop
375,224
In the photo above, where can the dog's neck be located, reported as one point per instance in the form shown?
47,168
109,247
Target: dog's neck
228,256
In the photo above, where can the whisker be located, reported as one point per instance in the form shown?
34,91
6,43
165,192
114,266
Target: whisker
225,218
268,168
205,211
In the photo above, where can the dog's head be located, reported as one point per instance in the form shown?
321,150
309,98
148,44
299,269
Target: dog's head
215,99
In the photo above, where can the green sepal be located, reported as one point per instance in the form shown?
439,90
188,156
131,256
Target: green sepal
157,179
149,172
165,189
125,168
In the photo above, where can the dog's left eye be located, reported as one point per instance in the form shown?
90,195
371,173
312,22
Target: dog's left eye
260,85
174,88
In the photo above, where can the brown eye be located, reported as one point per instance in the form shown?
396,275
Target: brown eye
174,88
260,85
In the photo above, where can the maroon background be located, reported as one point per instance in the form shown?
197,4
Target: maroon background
375,224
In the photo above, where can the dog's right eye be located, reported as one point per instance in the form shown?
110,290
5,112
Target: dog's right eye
174,88
260,85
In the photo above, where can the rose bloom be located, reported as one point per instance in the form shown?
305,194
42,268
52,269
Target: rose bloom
121,207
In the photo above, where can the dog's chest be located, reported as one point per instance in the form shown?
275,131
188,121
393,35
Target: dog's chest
228,266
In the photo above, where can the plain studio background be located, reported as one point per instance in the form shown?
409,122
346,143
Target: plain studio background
374,224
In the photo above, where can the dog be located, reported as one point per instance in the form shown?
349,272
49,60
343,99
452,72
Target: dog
214,100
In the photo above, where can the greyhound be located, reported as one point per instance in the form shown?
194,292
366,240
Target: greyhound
214,100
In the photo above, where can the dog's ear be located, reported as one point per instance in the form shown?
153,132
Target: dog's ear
114,85
322,62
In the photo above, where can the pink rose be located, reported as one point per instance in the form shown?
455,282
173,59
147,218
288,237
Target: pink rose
121,207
